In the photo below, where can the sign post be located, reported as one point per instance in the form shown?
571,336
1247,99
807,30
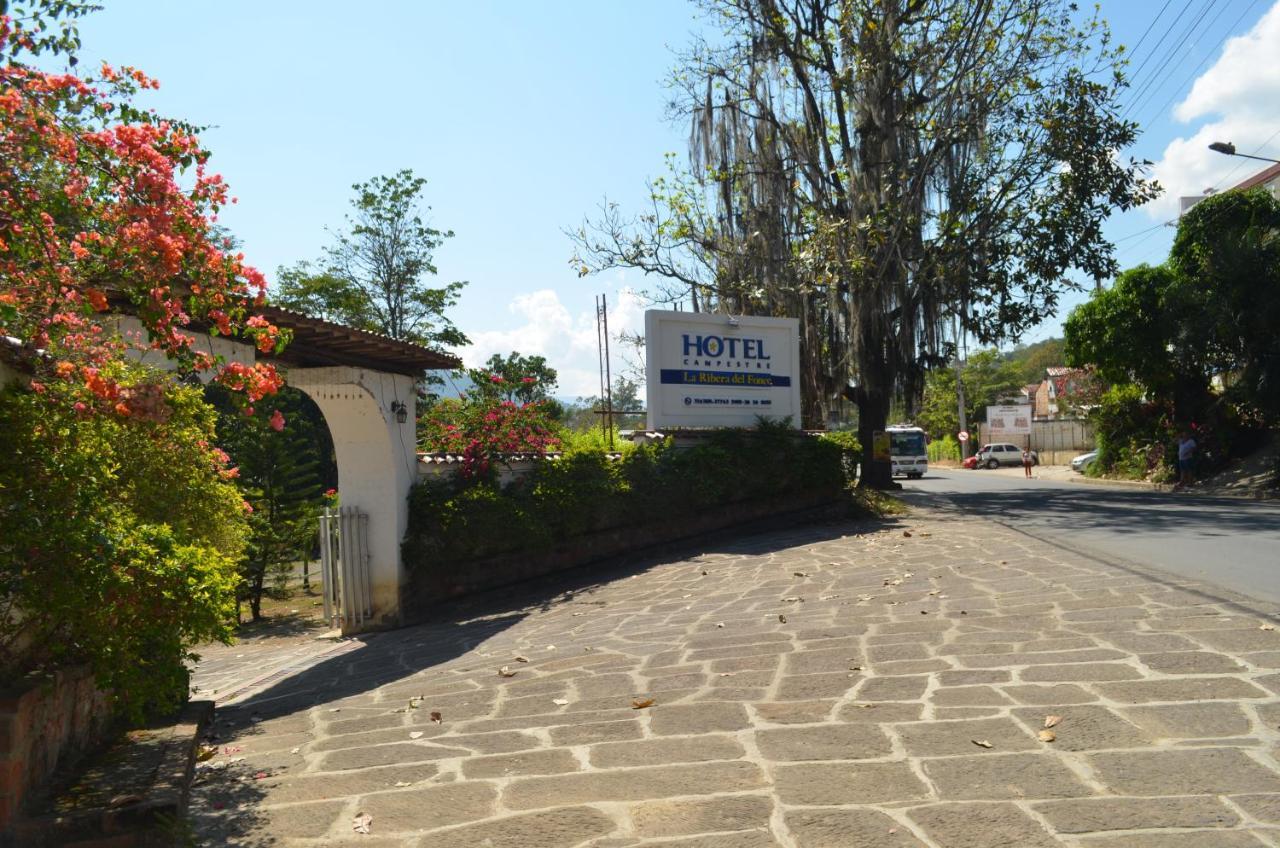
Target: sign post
706,370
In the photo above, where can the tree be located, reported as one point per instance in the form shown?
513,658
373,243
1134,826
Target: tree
120,527
374,275
516,378
1033,359
987,379
279,471
880,170
1211,310
1227,258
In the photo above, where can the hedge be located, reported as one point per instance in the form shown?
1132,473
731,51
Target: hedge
455,522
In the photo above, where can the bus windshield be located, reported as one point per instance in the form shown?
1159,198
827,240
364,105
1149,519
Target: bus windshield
907,444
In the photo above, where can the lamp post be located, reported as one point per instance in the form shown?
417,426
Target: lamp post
1229,149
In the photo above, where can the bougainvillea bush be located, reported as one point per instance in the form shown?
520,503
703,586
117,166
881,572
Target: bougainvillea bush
121,540
115,514
482,430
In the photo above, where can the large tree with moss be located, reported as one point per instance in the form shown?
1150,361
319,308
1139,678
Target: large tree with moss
885,170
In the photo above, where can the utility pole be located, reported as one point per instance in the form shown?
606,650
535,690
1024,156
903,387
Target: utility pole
964,425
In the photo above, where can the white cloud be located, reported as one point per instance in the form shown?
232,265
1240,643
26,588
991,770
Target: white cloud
1238,94
547,327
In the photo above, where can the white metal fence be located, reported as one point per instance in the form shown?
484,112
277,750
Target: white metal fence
344,565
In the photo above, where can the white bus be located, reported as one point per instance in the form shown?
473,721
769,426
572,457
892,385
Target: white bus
907,450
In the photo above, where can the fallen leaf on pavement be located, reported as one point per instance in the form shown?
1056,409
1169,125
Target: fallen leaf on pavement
1267,627
982,743
361,823
506,671
1047,735
641,703
782,618
417,734
560,702
791,600
403,783
520,658
206,752
437,718
906,533
799,574
719,624
294,750
124,801
1052,721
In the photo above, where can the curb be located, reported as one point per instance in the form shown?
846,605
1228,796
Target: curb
135,794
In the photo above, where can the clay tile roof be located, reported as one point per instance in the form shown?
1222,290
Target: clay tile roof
317,342
1264,176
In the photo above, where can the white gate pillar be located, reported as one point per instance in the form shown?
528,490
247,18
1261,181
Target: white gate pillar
377,463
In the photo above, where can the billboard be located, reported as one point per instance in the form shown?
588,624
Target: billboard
720,371
1011,420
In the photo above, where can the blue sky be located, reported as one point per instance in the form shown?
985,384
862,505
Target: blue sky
524,116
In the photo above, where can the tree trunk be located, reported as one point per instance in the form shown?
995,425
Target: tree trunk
873,415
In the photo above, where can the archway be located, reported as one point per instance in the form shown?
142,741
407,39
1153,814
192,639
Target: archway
364,384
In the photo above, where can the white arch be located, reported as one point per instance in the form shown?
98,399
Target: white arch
377,455
377,463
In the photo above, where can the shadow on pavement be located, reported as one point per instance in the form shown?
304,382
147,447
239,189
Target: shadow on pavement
459,626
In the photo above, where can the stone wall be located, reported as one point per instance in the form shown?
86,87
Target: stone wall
43,727
427,586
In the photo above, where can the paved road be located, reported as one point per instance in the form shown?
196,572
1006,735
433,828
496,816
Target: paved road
827,687
1230,542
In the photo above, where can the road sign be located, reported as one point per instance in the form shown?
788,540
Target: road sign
964,435
1005,421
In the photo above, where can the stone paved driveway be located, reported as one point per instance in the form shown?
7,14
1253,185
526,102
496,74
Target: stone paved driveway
832,686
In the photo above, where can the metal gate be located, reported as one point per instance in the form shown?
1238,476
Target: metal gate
344,566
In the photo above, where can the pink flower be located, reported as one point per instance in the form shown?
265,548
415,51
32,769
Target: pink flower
528,380
494,378
277,421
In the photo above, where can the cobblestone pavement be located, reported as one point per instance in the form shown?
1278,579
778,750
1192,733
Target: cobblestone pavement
830,686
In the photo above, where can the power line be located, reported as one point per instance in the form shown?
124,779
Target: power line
1168,57
1138,71
1139,105
1207,56
1159,14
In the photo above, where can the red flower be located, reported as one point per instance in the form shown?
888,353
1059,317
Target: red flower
277,421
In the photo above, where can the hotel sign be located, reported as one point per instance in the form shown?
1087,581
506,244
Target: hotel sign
715,371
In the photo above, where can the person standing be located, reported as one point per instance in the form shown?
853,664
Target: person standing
1026,461
1186,459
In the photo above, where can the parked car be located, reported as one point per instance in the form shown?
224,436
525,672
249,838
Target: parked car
993,456
971,461
1083,461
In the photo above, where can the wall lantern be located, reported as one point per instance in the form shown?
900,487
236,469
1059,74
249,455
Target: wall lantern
400,411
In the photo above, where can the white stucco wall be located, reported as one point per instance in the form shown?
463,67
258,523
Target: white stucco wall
377,463
230,350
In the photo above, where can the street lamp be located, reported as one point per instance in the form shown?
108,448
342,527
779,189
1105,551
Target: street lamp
1229,149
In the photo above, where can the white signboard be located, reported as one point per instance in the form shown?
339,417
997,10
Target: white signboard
716,371
1013,420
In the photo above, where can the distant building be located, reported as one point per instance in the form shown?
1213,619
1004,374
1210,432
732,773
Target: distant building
1063,393
1268,178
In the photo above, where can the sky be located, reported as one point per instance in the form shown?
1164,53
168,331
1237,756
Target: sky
524,117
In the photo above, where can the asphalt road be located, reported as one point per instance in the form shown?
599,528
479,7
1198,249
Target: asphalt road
1233,543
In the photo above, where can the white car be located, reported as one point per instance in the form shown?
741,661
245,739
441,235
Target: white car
1083,461
993,456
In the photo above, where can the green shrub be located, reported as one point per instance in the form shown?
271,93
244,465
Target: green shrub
1133,436
455,522
946,449
121,540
